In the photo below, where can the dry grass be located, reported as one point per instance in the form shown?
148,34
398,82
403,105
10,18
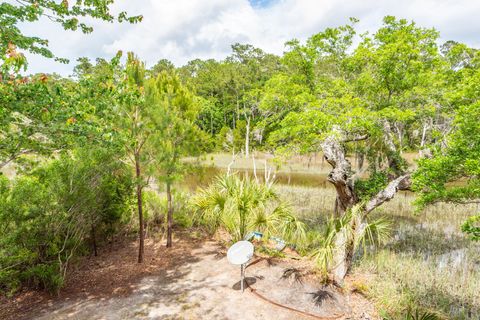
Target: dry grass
311,164
9,171
300,164
428,264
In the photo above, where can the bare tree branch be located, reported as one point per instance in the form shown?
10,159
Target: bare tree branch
356,138
401,183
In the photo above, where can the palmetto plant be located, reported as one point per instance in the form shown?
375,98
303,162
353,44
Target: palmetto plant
417,315
241,205
348,230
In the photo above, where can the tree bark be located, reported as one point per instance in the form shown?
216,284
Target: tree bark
169,215
342,177
425,151
140,209
94,241
401,183
341,174
345,248
392,154
360,161
247,138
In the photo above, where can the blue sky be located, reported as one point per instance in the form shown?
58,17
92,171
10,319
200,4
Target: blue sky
182,30
261,3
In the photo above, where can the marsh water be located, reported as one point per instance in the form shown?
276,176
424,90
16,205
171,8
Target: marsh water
204,175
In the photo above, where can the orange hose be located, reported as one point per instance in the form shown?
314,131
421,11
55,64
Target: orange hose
252,290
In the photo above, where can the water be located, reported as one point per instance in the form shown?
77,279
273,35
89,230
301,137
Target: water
453,259
204,175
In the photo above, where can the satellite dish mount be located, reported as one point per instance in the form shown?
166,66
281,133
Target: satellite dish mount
239,254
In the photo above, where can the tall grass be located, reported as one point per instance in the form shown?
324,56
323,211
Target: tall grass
428,264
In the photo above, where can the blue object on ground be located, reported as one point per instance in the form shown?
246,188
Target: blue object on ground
253,235
281,244
249,236
258,235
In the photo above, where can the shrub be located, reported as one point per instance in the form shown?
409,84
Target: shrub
243,205
54,213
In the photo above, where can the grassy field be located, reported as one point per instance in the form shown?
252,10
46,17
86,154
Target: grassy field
427,264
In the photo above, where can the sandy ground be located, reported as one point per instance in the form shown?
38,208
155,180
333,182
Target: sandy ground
201,284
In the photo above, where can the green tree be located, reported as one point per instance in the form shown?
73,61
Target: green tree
176,134
57,212
457,162
67,15
135,127
358,99
42,114
32,117
160,66
232,87
451,171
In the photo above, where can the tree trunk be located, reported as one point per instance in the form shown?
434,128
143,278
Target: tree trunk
341,176
254,168
399,129
360,161
423,151
169,215
140,209
94,241
345,248
346,242
247,138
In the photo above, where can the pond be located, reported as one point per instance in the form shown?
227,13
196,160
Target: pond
203,175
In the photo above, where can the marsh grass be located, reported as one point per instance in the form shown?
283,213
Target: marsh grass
427,264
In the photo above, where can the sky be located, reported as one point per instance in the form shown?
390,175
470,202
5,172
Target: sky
182,30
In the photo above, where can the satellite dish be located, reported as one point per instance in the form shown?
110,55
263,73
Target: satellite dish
240,252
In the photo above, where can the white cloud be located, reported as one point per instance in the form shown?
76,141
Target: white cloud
182,30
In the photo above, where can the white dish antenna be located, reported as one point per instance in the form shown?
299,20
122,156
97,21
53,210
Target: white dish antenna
239,254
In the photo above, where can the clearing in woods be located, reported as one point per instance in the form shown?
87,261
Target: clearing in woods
193,280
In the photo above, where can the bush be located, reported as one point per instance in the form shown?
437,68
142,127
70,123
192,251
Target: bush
156,210
55,213
241,205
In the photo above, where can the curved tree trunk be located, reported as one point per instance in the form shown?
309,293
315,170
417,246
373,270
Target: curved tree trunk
341,174
342,177
346,242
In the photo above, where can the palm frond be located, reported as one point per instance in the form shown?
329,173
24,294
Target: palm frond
418,315
241,205
349,229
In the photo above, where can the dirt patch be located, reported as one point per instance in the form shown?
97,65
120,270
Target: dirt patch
193,280
113,273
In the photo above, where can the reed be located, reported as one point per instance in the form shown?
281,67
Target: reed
427,264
